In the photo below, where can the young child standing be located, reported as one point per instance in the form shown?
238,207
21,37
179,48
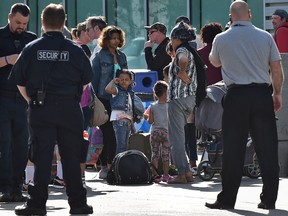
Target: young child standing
158,117
121,105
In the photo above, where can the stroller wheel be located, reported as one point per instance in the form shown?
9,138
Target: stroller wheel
252,170
205,171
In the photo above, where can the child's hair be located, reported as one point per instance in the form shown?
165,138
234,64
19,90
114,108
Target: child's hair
166,70
160,88
169,48
125,71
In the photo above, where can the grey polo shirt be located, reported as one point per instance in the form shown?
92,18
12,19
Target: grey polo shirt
245,53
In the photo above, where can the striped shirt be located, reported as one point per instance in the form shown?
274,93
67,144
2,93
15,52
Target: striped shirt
178,88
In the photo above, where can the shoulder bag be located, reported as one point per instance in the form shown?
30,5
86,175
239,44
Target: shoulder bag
99,115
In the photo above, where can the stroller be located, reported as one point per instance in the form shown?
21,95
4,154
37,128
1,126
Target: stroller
208,118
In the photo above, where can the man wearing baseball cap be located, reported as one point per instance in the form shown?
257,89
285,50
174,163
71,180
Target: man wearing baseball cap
280,25
157,35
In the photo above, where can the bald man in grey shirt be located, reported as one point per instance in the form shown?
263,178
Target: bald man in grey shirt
247,54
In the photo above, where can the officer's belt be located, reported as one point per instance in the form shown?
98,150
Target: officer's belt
59,97
248,85
10,94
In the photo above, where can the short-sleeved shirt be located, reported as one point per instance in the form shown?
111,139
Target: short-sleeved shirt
245,53
177,88
11,44
160,114
56,63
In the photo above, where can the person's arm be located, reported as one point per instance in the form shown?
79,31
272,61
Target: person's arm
8,60
158,61
146,113
110,88
96,67
22,90
214,62
214,55
277,77
182,64
150,119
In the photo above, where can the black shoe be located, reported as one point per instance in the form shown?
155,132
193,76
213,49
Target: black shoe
87,209
265,206
7,197
26,210
218,205
19,198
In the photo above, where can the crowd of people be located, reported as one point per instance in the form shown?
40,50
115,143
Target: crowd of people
46,92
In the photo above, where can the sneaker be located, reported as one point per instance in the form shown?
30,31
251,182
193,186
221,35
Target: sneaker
87,209
58,183
166,178
26,210
103,173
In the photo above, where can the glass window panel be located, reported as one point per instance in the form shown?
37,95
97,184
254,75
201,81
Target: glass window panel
209,13
88,8
130,16
166,11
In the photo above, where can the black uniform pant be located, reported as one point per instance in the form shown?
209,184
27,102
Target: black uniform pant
249,109
109,140
13,142
61,120
190,141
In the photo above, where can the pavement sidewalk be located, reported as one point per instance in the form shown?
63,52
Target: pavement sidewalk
163,199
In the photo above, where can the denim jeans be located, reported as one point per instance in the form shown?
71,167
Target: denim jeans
122,132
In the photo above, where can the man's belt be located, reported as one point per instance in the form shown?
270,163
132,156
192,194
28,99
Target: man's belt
248,85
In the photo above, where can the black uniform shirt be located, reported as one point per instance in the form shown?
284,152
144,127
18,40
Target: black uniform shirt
53,63
11,44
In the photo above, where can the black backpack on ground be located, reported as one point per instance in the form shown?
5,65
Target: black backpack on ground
130,167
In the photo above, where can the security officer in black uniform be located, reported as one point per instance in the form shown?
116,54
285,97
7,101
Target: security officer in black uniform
51,74
13,118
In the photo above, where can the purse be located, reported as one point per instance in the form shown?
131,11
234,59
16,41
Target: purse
99,114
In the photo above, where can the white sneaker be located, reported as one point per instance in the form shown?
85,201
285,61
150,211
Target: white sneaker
103,173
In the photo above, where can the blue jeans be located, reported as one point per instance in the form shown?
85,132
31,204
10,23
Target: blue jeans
13,143
122,132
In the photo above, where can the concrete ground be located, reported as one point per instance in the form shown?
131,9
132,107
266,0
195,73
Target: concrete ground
163,199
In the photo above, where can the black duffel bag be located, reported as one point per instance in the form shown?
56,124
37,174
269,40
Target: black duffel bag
130,167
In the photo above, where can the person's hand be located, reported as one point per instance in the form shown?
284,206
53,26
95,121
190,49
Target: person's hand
184,77
148,44
277,99
116,80
11,59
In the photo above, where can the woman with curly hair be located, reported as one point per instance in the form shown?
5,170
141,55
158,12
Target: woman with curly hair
207,35
105,64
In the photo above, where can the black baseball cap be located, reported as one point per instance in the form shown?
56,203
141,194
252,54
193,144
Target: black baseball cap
158,26
282,13
184,19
